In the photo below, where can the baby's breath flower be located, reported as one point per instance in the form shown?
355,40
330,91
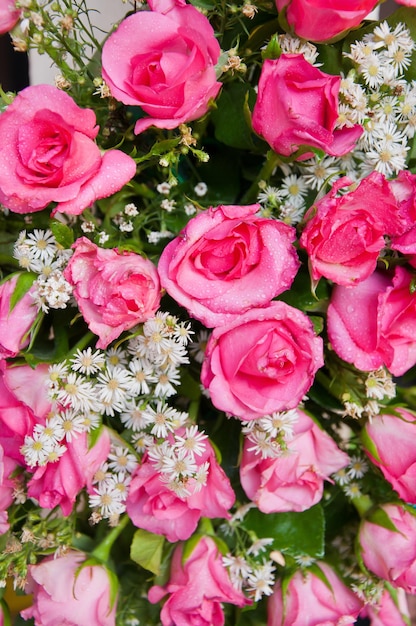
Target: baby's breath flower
201,189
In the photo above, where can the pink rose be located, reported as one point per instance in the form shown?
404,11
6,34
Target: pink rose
163,61
319,20
16,322
297,107
344,235
404,189
373,323
388,612
152,505
7,485
48,154
114,290
293,481
407,3
23,404
391,554
60,482
307,596
9,15
386,442
263,361
228,260
196,588
64,592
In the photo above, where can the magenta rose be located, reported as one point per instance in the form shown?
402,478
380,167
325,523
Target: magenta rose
388,553
319,20
227,260
293,481
153,506
373,323
297,107
60,482
263,361
114,290
16,321
321,596
9,15
197,588
344,235
163,61
48,154
386,442
65,592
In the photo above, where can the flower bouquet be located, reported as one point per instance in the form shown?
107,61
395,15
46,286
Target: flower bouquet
208,316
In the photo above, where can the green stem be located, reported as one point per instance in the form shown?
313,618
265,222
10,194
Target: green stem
102,551
266,171
363,504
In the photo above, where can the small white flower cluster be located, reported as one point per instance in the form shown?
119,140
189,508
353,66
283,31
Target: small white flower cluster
386,103
292,45
348,477
178,460
379,385
96,383
111,483
270,434
367,588
247,574
39,252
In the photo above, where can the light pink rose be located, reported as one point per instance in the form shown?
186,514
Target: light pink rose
344,235
308,597
373,323
197,587
391,554
319,20
153,506
114,290
60,482
163,61
263,361
48,154
297,107
23,404
9,15
15,323
293,481
386,442
64,592
227,260
407,3
388,612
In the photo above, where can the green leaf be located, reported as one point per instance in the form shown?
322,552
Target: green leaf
293,533
379,516
23,284
62,233
146,550
229,118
